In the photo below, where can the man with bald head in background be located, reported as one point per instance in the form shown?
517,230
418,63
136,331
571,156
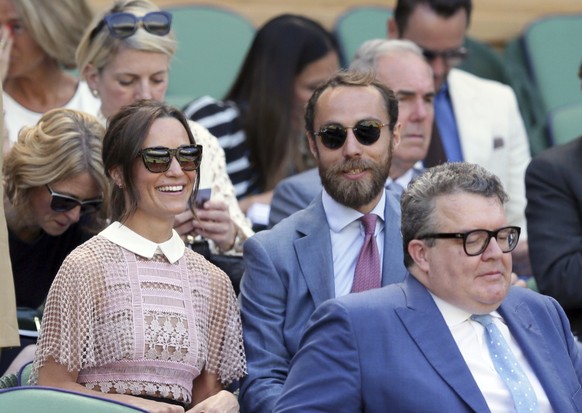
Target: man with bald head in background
400,65
477,120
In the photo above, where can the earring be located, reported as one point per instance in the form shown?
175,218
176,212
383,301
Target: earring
95,93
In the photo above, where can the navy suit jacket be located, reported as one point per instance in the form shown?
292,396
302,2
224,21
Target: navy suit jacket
289,272
553,184
390,350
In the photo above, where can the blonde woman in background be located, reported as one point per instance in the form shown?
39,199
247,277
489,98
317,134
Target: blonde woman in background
55,187
38,39
125,56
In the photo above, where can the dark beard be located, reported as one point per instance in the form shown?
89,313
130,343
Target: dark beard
355,194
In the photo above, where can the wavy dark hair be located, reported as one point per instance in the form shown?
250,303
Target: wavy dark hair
123,139
264,90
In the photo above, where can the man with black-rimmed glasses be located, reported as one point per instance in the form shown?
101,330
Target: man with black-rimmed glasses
454,336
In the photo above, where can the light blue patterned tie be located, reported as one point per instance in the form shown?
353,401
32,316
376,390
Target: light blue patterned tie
524,397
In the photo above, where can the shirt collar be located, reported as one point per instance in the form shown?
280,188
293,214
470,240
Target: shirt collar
454,315
339,216
404,179
172,249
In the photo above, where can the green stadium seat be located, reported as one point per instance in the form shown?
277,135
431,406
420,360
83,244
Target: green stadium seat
53,400
212,43
357,25
565,123
553,55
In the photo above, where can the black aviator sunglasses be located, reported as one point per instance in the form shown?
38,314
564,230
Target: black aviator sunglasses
159,158
123,24
367,132
63,203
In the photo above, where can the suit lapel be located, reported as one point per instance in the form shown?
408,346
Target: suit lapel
392,242
526,332
314,253
428,329
475,137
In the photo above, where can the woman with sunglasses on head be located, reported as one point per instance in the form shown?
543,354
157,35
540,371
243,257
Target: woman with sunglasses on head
37,43
148,322
289,57
125,55
54,183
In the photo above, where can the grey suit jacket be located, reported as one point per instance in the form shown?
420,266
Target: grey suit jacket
390,350
289,272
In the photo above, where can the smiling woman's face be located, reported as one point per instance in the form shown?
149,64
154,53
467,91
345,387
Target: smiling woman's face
161,195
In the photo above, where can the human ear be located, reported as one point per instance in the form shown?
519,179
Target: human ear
418,251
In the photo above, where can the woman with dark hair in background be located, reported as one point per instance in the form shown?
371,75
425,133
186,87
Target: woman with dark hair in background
259,122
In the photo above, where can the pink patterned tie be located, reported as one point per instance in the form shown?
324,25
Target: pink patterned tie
367,274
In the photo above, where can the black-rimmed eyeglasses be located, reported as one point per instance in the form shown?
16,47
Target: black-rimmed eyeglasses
63,203
451,57
123,24
476,241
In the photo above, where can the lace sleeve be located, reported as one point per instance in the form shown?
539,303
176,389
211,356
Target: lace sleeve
226,356
66,330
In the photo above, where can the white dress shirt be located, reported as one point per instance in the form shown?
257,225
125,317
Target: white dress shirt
469,336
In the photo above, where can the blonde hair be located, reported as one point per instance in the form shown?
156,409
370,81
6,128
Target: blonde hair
56,26
98,49
63,144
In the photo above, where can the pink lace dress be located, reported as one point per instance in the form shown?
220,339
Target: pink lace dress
141,326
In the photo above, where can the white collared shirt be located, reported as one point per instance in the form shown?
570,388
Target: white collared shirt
404,179
469,336
347,238
172,249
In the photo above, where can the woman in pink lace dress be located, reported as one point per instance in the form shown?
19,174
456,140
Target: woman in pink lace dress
134,315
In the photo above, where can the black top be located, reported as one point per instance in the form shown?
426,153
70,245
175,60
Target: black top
35,264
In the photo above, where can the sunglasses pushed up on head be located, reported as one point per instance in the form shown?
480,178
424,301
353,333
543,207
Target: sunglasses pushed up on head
367,132
123,24
158,159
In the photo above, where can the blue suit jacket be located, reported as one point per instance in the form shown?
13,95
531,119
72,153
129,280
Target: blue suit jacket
391,350
289,272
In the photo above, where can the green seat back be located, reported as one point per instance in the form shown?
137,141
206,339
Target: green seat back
552,47
52,400
565,123
357,25
212,43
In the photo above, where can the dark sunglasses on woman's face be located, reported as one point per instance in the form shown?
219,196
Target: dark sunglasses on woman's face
158,159
367,132
122,24
63,203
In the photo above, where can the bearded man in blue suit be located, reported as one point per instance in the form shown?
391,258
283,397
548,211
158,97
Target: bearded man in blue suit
419,346
351,123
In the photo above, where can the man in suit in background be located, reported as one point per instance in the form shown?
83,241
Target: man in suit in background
553,183
478,120
351,125
439,341
400,65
